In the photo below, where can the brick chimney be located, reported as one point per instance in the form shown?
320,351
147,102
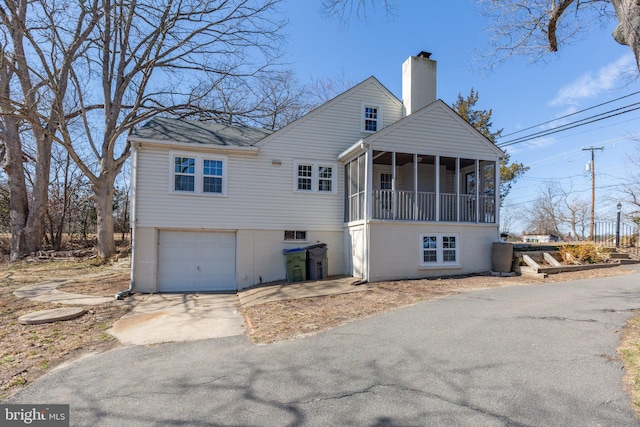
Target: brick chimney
418,82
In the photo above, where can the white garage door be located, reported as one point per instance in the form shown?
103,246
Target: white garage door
196,261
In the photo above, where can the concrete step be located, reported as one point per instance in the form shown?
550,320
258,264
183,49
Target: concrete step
618,255
525,270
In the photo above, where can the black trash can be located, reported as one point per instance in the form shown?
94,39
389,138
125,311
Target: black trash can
317,267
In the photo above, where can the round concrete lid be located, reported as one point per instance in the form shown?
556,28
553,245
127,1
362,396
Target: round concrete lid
50,316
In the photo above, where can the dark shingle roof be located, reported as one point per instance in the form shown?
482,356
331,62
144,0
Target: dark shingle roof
196,132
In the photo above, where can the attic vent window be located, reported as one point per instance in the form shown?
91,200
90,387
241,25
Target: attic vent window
371,115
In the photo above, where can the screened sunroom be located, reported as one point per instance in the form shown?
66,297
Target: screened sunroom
397,186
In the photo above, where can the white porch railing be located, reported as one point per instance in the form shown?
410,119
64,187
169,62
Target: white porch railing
448,211
404,206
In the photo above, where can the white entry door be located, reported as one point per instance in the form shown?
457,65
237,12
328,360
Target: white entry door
196,261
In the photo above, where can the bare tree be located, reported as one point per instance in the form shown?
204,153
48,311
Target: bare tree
530,27
544,216
346,9
324,89
31,97
536,27
117,63
631,188
577,216
281,100
510,215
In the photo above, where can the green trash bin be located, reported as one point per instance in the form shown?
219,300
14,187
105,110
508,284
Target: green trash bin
295,261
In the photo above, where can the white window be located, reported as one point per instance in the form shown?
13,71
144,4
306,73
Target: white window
439,249
212,176
305,177
371,118
314,177
295,235
184,173
198,174
325,178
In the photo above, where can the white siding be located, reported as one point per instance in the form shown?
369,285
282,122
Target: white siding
261,188
395,249
435,131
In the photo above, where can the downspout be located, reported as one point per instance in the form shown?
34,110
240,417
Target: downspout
134,182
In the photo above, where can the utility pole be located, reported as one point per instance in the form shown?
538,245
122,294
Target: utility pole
593,188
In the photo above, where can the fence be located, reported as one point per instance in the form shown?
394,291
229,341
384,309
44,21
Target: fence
605,233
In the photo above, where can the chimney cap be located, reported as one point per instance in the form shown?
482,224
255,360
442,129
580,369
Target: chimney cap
424,54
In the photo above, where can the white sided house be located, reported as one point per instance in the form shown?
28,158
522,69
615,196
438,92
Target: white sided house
396,189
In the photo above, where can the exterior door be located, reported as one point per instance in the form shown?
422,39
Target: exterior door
357,252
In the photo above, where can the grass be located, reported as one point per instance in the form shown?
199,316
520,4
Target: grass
629,352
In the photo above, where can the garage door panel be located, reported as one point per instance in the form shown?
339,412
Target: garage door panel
196,261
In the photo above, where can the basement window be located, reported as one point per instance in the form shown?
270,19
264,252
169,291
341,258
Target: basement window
439,249
295,235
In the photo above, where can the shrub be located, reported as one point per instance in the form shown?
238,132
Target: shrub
586,253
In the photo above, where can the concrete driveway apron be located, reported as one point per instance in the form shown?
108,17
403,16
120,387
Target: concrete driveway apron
159,318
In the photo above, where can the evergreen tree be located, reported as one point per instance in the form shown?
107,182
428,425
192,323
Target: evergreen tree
481,120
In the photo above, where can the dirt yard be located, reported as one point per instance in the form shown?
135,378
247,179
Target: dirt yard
291,319
28,351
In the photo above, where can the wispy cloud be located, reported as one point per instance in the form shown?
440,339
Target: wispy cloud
592,84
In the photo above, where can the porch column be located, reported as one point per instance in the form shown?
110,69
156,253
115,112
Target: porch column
394,204
368,195
437,168
415,187
457,189
478,181
496,194
368,183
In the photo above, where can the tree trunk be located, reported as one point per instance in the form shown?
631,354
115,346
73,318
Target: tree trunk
103,190
27,222
628,30
18,201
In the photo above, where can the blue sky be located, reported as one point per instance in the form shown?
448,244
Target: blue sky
521,94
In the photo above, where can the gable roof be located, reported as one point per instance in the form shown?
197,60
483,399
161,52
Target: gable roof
163,129
370,80
425,110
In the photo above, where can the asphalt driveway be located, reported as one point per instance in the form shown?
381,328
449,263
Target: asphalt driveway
540,355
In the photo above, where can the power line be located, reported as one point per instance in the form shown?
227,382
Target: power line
572,125
569,115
